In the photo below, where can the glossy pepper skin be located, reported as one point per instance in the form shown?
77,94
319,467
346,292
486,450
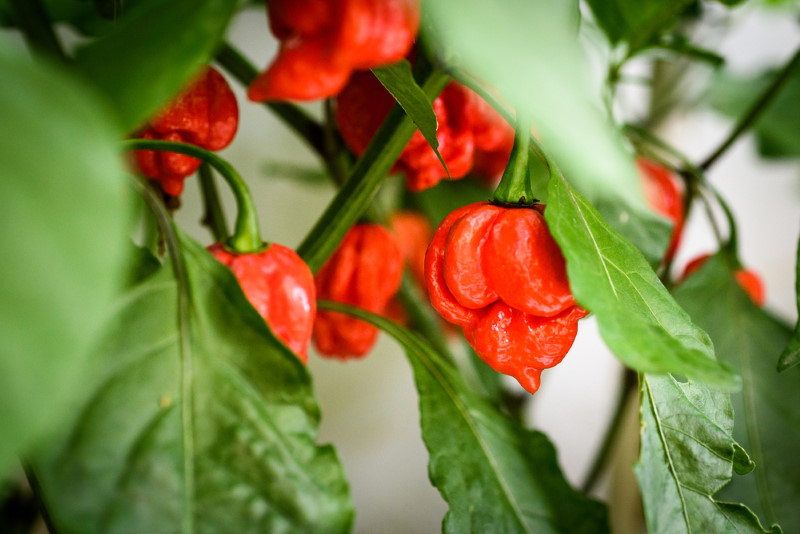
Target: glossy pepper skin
749,280
323,41
205,114
280,286
471,134
497,273
365,271
663,192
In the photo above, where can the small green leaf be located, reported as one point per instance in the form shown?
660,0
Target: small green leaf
399,81
201,421
637,23
155,48
64,213
791,354
495,475
767,418
687,456
638,318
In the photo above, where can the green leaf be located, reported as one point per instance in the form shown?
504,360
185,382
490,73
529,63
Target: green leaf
791,354
775,130
398,79
638,318
202,421
446,196
637,23
531,55
687,456
495,475
64,213
767,419
152,53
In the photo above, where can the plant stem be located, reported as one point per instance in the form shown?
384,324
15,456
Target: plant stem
33,481
601,459
761,103
213,214
515,185
246,237
33,20
367,175
298,120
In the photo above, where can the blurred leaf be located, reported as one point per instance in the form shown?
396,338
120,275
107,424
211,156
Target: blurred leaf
152,53
530,53
306,174
776,129
495,475
202,421
791,354
637,23
687,456
399,81
63,209
767,416
638,318
448,195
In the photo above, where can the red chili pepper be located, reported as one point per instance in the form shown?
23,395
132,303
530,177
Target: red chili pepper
365,271
663,193
205,114
470,133
323,41
497,272
280,286
749,280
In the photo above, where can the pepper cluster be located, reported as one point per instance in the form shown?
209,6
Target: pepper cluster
323,41
496,272
471,135
205,114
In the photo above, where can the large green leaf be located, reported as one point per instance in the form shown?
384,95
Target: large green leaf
153,51
638,318
791,353
530,53
775,130
687,456
202,421
767,421
63,211
495,475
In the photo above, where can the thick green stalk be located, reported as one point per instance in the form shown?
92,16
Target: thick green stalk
246,237
298,120
365,178
515,186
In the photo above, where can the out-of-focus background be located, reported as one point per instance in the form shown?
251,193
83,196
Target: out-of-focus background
369,407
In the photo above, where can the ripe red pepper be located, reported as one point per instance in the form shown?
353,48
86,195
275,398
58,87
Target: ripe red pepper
470,133
280,286
204,114
663,193
323,41
749,280
497,272
365,271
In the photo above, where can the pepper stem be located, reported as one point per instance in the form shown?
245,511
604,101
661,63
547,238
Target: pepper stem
515,185
246,238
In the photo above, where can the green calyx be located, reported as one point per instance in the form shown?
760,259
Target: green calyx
246,238
515,186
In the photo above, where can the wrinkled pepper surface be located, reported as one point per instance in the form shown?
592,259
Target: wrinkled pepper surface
205,114
365,271
280,286
663,192
471,135
323,41
496,272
